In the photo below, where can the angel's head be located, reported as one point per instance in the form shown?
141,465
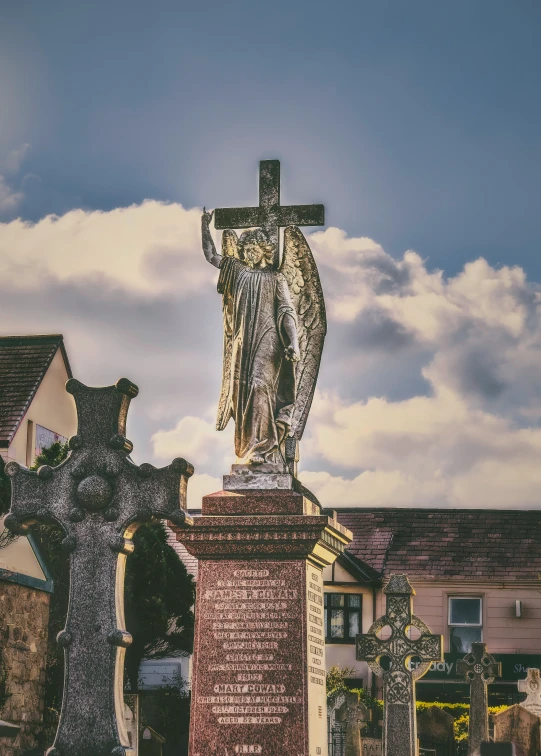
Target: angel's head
255,249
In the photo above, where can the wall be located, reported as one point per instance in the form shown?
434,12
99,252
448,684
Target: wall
24,611
52,407
502,631
19,557
24,614
343,654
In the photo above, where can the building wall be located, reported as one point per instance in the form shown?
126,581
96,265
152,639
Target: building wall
24,611
52,407
24,614
503,632
343,654
19,557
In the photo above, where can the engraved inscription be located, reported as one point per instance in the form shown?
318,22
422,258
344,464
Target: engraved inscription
252,615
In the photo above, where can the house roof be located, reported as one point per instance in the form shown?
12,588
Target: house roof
358,569
24,360
435,544
190,562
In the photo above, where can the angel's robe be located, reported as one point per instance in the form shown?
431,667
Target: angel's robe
258,382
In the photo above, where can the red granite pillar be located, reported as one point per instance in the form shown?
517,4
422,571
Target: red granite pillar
258,683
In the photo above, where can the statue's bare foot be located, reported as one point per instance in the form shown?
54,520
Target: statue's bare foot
257,459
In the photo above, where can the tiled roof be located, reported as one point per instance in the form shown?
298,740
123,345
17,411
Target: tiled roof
190,562
435,544
24,360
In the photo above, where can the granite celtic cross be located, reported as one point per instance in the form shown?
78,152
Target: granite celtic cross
99,497
269,215
480,669
400,726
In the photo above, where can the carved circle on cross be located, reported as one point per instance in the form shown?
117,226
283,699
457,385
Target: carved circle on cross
94,493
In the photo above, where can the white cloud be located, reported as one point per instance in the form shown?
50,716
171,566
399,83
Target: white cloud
16,157
150,248
9,199
423,451
197,438
429,389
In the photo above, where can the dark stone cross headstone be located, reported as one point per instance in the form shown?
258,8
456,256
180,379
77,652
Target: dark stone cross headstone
269,215
399,720
479,668
99,497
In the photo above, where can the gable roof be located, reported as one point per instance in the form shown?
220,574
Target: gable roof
24,360
435,544
358,569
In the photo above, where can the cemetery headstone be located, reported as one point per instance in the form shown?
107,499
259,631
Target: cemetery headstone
151,743
399,720
498,749
371,747
435,729
519,726
353,713
480,669
258,684
532,687
131,719
99,497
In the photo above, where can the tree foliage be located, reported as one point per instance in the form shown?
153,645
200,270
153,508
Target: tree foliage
159,597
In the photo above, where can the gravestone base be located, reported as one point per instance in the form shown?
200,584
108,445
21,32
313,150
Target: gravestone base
519,726
258,683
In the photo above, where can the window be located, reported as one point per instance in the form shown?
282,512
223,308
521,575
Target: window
465,622
342,617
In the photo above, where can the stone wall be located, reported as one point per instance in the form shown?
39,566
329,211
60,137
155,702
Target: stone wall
24,614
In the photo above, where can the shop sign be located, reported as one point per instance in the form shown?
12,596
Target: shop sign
46,438
514,666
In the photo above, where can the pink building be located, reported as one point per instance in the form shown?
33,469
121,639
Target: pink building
477,577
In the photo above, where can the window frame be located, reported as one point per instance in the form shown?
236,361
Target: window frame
346,640
451,625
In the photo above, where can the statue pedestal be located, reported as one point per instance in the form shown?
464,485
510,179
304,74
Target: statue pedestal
258,683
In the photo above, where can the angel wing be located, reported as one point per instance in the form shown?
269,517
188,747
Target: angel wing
300,271
230,244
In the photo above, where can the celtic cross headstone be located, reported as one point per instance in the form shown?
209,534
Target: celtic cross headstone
353,713
399,720
532,687
99,497
479,668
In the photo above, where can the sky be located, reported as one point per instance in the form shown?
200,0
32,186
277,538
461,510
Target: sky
417,125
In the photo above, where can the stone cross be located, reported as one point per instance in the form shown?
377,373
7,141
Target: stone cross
399,725
99,497
532,686
353,713
269,215
480,669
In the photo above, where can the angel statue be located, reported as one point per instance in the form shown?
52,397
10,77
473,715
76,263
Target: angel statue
274,329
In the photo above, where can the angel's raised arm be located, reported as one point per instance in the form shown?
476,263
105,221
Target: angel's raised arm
208,243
